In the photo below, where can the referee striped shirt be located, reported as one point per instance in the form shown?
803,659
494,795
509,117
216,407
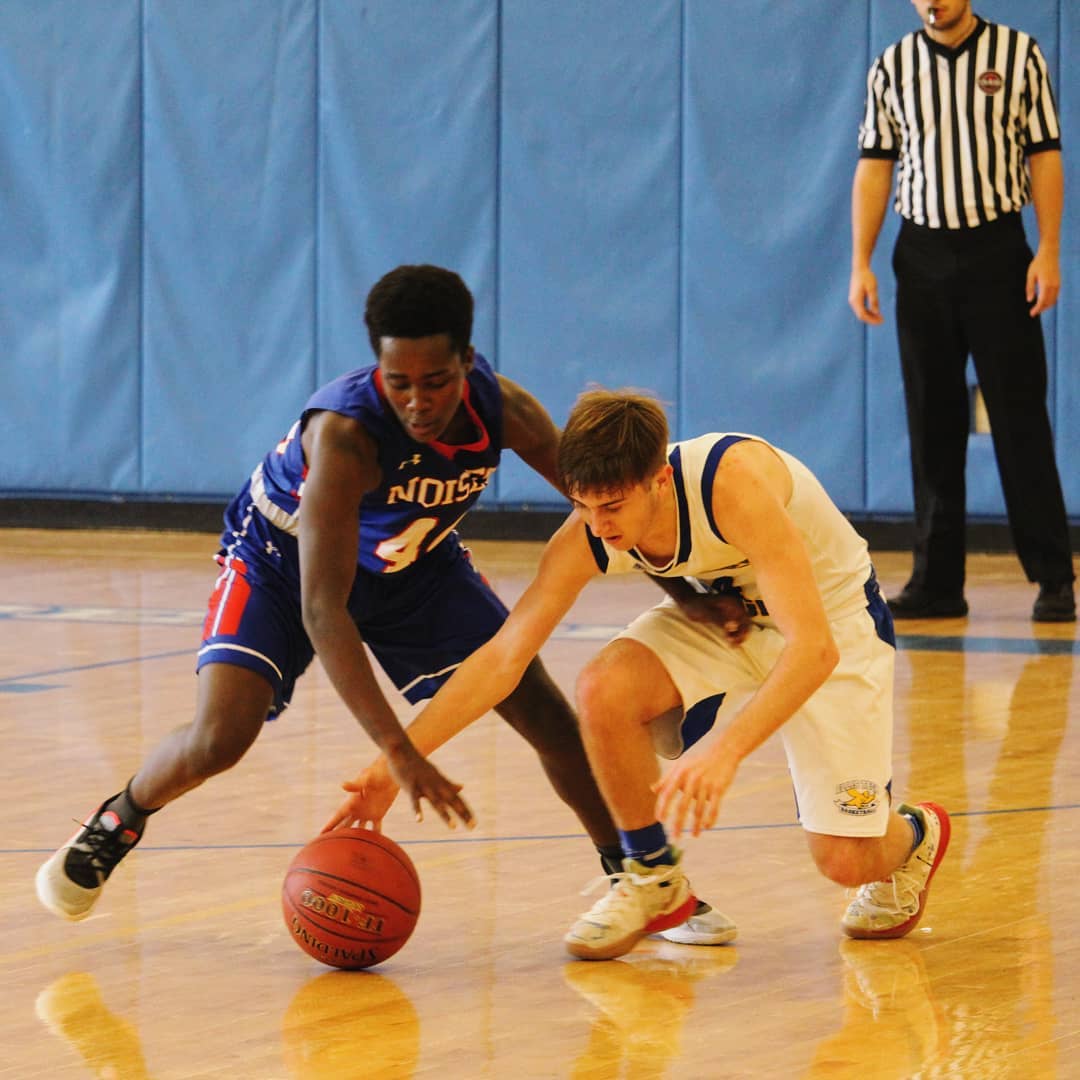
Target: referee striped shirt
960,122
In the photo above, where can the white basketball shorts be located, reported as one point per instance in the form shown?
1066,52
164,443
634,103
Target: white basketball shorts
838,745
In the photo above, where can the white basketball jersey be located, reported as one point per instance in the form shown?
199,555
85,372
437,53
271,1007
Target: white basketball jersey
838,554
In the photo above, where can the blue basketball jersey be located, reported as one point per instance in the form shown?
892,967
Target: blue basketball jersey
420,624
426,488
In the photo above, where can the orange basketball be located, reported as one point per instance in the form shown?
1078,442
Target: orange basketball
351,898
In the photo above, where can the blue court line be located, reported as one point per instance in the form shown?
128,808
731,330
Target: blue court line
468,839
24,684
21,684
1018,646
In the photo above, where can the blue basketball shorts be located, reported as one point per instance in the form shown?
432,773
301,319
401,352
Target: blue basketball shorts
419,623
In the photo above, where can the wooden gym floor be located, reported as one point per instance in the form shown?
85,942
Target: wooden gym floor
186,970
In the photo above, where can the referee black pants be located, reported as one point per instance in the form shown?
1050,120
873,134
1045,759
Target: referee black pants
961,292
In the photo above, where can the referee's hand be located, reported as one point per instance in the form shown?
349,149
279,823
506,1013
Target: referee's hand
863,296
1043,283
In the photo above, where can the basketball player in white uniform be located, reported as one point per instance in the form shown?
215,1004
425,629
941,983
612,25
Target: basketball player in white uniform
725,514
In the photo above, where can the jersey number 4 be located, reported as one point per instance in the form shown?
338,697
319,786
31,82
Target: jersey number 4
409,544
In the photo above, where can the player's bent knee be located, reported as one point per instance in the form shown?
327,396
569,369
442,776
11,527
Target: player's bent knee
599,700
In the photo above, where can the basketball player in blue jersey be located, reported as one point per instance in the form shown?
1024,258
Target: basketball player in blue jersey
726,513
345,534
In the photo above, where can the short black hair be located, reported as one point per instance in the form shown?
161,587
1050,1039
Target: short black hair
419,301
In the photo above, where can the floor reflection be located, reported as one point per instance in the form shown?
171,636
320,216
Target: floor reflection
347,1024
73,1009
641,1006
893,1028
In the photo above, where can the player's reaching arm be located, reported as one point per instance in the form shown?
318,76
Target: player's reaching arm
529,431
489,675
751,488
725,610
341,468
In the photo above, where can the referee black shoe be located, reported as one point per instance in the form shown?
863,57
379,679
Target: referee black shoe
1055,603
918,603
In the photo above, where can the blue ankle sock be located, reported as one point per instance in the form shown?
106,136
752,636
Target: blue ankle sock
916,828
648,846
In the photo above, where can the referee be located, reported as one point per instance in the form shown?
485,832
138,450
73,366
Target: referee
965,107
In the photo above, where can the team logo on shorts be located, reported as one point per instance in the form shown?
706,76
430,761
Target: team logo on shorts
990,82
857,797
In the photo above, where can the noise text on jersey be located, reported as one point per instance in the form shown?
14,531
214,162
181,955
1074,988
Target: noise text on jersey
430,491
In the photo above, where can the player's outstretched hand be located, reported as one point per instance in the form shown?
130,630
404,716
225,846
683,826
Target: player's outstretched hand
372,794
725,610
420,780
691,792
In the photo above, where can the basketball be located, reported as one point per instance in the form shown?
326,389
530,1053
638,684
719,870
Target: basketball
351,898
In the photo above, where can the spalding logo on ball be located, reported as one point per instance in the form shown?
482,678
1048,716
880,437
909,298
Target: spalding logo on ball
351,898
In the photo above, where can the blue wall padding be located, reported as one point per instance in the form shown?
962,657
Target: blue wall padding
408,138
69,245
769,344
589,200
196,197
229,212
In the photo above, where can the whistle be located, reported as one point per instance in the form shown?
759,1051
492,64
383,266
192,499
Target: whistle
932,16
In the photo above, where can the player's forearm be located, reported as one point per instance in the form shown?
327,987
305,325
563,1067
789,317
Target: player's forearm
679,589
799,671
341,651
478,685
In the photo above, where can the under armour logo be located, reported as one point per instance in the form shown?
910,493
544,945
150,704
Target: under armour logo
271,549
414,460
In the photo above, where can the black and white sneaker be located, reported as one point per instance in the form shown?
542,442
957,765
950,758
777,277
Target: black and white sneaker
69,883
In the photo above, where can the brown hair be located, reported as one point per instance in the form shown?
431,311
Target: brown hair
613,440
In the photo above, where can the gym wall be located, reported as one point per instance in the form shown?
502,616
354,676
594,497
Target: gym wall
196,195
